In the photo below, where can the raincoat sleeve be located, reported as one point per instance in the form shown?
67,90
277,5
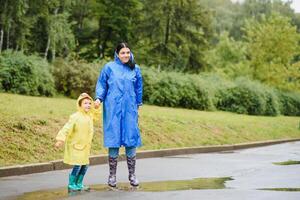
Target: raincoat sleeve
102,87
139,87
68,127
95,115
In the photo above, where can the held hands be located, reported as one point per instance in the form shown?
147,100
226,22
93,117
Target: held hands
59,143
97,103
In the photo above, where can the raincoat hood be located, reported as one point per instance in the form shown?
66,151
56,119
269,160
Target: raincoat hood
81,97
117,59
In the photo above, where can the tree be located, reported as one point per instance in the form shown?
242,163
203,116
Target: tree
174,34
60,35
116,23
224,13
272,44
85,14
228,57
14,24
231,17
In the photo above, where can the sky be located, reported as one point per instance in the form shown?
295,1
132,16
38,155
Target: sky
295,5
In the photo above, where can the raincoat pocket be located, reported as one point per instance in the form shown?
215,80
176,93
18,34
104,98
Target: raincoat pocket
79,147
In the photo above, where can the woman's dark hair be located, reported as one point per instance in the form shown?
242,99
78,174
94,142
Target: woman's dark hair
121,45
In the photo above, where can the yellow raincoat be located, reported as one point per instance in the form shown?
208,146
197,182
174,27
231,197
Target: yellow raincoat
77,134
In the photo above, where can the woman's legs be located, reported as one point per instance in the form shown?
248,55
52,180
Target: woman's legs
131,161
113,161
113,154
130,151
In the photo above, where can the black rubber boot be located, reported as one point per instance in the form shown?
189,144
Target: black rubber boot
131,169
112,180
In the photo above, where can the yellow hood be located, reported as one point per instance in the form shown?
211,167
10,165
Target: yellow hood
84,96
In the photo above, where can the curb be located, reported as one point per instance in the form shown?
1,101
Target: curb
102,159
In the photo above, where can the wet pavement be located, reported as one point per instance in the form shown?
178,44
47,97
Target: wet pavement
251,170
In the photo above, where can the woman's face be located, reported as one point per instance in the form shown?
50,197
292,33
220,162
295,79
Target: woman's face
124,55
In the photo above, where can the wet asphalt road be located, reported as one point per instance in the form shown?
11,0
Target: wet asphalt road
251,170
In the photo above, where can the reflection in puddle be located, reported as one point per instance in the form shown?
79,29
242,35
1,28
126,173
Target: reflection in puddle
225,152
283,189
289,162
180,157
159,186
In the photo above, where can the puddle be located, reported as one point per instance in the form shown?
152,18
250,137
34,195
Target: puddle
283,189
180,157
158,186
289,162
223,152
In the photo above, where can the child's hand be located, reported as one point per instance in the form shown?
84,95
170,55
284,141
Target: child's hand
59,143
97,103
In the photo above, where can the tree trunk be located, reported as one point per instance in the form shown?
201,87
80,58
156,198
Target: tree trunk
1,40
82,14
7,38
47,48
2,26
167,30
102,38
53,38
53,50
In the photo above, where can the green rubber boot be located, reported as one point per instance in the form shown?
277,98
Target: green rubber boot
80,185
72,184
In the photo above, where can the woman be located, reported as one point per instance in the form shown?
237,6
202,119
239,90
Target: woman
120,88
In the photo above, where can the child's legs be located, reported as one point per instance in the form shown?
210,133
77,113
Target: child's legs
83,169
113,152
130,151
79,170
75,170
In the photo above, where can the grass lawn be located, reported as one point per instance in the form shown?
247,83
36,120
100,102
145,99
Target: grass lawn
28,126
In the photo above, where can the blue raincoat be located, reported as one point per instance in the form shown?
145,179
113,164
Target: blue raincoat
120,89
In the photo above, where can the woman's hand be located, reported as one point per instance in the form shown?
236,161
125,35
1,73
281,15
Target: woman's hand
97,103
59,143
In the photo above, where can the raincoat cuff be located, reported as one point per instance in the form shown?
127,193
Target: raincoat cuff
99,99
60,138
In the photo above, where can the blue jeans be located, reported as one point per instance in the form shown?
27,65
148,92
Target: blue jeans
114,152
79,170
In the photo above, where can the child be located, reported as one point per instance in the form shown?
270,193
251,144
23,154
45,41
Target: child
77,135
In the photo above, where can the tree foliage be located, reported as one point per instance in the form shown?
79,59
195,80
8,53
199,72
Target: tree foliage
257,38
272,44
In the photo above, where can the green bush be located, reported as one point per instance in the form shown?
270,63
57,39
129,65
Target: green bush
23,74
176,90
248,97
74,77
165,92
289,104
242,99
196,93
272,103
211,91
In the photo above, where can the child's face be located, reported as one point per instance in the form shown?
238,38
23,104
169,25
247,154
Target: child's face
86,104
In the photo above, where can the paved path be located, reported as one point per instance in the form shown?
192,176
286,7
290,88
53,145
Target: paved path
251,169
